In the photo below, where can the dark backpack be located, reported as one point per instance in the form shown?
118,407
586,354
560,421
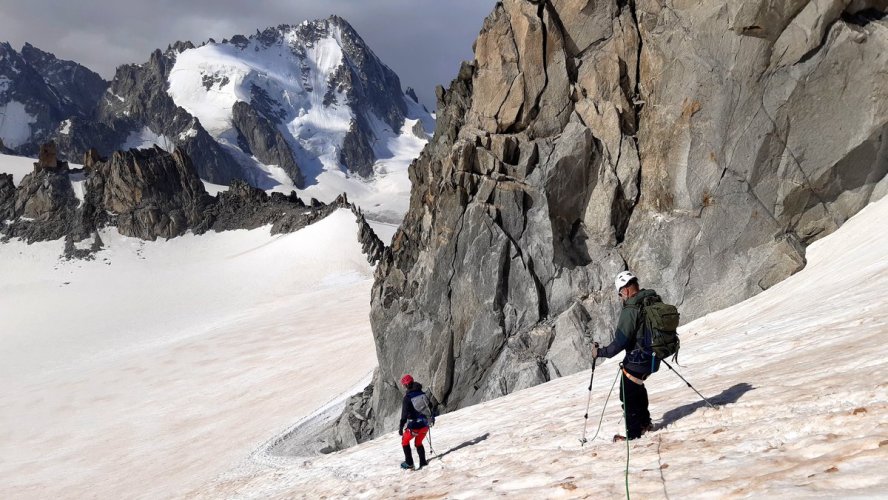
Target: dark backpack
423,405
659,322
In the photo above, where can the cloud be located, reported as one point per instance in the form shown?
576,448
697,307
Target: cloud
424,41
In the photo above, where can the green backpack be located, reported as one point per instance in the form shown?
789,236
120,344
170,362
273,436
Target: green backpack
661,322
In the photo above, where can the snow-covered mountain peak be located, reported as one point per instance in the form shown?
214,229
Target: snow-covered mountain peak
293,103
288,107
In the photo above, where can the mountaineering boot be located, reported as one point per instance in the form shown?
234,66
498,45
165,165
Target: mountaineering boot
618,438
420,450
408,458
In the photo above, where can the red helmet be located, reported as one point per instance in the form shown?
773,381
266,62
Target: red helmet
406,380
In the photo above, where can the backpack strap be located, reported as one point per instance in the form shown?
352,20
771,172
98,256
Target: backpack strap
639,321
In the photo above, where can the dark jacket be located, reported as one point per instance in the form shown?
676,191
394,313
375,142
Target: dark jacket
409,415
626,337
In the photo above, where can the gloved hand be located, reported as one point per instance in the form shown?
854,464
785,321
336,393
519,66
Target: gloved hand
400,432
595,350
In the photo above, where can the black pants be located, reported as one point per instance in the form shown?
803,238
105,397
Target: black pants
635,404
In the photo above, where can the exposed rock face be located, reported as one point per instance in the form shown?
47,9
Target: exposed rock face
91,157
80,87
357,152
44,198
47,158
7,197
702,146
246,207
152,193
138,99
371,245
38,92
264,141
148,194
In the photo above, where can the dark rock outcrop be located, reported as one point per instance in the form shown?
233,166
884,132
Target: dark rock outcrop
700,146
138,98
261,138
47,158
91,158
371,245
45,206
7,197
44,92
146,194
79,87
357,153
245,207
151,192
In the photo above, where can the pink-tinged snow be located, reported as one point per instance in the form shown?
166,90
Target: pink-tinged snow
151,369
800,372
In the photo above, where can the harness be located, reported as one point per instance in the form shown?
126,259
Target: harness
631,377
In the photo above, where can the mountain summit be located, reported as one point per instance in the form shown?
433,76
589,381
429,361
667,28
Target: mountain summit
278,107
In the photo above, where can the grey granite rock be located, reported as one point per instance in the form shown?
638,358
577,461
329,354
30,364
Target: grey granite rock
701,146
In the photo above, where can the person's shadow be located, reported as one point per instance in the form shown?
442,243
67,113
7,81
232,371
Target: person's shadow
471,442
727,396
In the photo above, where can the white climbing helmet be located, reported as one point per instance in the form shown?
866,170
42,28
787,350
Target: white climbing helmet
623,278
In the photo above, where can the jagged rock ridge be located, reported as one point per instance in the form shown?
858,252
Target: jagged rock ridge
701,146
146,194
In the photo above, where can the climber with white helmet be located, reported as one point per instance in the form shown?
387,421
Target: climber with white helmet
638,362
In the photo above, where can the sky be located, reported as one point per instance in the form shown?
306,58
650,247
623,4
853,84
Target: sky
424,41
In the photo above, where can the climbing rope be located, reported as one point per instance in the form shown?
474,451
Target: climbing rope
626,427
601,419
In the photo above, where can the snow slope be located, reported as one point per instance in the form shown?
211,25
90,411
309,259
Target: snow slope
15,123
148,371
800,373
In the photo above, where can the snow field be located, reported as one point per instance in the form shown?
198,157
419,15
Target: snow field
798,373
151,369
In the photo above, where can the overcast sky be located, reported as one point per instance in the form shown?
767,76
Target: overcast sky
424,41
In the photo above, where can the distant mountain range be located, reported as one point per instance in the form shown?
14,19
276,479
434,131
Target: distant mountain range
280,106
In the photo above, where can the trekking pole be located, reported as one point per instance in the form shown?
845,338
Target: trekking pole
689,384
588,403
431,448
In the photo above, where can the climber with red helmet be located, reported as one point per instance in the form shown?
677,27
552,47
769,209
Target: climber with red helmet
416,413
